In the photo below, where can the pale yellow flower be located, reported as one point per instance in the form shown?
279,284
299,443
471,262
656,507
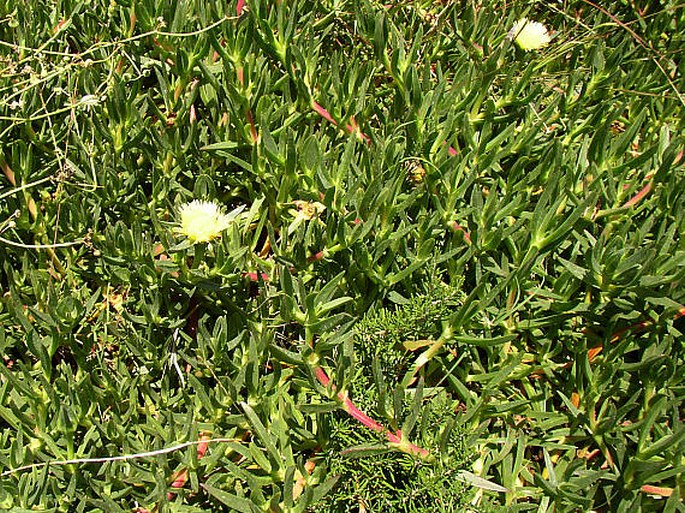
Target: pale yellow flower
529,35
308,209
202,221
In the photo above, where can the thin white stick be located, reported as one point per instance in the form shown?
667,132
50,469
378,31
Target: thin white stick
117,458
40,246
25,186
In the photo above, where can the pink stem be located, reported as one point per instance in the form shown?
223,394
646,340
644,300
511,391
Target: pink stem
255,277
323,112
458,228
315,257
356,413
451,150
359,415
253,128
643,192
352,127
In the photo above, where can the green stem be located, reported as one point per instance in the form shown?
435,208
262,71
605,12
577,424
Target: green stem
198,255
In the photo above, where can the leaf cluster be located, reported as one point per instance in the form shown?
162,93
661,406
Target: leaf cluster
481,247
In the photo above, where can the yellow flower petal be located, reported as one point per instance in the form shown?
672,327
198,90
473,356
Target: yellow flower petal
529,35
202,221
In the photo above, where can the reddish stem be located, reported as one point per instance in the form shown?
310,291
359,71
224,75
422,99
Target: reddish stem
253,128
323,112
352,127
640,326
657,490
459,228
359,415
394,438
255,277
633,328
315,257
180,478
643,192
450,150
321,376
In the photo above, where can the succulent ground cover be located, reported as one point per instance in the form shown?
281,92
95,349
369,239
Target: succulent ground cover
327,256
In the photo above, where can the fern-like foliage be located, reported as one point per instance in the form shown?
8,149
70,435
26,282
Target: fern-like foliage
372,475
